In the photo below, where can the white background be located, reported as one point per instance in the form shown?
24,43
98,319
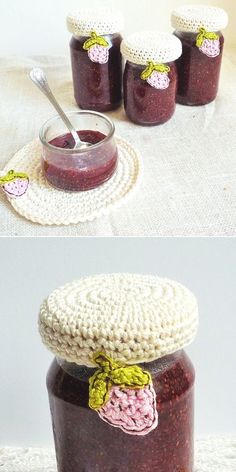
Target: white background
30,27
32,268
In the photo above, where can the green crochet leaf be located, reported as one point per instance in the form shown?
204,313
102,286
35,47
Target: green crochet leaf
98,390
130,376
151,67
113,373
204,34
148,71
93,40
11,176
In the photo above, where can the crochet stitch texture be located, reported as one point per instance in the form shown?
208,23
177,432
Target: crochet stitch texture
132,318
190,18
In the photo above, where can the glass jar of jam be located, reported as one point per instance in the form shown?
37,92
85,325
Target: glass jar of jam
79,169
199,29
96,59
121,386
150,77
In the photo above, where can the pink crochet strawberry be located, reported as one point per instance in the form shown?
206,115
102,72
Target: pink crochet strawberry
14,184
98,48
156,75
208,43
123,396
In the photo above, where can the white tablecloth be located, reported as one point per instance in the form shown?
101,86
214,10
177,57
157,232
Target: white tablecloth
212,454
189,182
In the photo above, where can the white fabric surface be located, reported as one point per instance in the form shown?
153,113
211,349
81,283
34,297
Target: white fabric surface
189,183
212,454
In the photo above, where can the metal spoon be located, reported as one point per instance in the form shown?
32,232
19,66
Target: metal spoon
38,76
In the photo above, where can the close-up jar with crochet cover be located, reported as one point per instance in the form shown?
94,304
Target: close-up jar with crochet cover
95,58
121,386
199,29
150,77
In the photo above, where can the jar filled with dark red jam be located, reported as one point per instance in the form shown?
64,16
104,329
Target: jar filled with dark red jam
121,387
85,168
150,76
96,59
199,29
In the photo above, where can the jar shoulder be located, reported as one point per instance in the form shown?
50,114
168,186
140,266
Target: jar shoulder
172,376
77,43
190,38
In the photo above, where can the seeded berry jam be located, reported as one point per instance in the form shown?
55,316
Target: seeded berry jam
198,69
86,443
97,71
76,172
144,103
72,169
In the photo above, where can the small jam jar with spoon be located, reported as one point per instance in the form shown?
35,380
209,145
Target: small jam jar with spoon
95,58
79,169
150,77
83,158
199,29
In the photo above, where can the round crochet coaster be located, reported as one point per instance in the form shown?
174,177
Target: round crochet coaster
48,206
190,18
132,318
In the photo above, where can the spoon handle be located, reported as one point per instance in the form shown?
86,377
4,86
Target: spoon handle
38,76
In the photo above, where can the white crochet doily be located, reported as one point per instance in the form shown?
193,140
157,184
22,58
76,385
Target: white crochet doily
145,46
101,20
191,18
212,454
48,206
132,318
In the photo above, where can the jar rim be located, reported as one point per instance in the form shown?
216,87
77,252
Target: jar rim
44,127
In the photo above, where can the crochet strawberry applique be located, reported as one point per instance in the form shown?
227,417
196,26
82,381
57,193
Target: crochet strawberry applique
98,48
123,396
156,75
208,43
14,184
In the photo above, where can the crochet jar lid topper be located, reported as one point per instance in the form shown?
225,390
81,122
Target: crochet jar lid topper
151,46
132,318
190,18
102,21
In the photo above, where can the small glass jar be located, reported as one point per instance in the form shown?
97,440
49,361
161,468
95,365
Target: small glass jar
96,59
80,169
150,77
121,386
198,27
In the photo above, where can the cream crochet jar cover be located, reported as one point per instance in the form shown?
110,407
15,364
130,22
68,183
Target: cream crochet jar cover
190,18
102,20
132,318
145,46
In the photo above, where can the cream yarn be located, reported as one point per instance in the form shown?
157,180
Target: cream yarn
145,46
46,205
102,20
132,318
190,18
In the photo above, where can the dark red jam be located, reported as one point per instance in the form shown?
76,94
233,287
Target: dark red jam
86,443
145,104
81,171
198,74
97,86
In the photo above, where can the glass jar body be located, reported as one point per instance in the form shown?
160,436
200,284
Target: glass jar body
97,86
85,443
198,74
145,104
79,170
